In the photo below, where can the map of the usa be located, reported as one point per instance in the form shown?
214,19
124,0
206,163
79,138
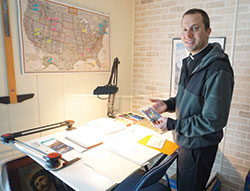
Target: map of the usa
59,38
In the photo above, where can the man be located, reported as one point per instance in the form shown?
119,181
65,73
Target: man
202,103
42,180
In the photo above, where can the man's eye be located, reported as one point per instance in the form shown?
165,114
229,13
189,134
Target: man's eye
195,28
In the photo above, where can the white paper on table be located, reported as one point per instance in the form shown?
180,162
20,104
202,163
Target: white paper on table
156,142
106,163
126,145
85,136
106,125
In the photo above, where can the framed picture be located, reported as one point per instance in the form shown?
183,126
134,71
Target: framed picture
178,53
25,174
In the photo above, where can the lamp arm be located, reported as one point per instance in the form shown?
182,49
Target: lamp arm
110,89
114,73
111,100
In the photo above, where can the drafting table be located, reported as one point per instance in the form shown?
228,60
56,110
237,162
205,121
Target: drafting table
103,166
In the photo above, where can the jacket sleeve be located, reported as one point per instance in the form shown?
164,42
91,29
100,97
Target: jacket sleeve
217,95
170,104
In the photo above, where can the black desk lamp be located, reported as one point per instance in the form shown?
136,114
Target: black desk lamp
53,160
110,89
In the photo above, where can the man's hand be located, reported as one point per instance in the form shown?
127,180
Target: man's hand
161,123
158,105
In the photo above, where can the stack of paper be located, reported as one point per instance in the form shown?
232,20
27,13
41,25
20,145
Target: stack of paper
85,136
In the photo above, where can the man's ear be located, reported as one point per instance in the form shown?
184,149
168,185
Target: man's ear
209,30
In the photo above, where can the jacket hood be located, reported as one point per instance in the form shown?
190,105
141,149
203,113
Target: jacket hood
215,54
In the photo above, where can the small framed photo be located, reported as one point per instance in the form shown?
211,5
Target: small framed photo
178,53
25,174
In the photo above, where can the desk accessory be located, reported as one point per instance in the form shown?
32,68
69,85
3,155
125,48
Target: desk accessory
53,160
57,145
13,97
129,118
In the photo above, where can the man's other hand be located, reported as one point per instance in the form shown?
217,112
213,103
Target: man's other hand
161,123
158,105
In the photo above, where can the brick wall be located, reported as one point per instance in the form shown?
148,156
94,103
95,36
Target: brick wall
157,22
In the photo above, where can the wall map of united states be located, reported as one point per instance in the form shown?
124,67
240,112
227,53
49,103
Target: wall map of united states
59,38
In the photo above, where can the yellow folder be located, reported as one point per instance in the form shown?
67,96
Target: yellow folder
168,147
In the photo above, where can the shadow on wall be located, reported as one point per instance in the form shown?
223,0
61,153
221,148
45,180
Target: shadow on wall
231,178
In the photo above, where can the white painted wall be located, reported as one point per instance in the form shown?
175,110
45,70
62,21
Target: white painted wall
59,97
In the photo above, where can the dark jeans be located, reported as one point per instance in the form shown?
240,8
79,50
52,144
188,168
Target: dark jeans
194,167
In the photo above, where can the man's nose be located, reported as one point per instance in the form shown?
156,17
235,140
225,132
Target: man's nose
189,33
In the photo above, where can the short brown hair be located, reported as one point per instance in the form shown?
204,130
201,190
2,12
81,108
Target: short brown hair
205,17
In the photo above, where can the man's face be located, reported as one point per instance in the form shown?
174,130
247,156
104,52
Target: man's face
194,36
42,183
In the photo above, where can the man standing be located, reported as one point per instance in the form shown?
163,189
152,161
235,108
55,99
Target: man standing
201,105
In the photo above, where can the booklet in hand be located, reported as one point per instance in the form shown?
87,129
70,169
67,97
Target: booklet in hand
151,114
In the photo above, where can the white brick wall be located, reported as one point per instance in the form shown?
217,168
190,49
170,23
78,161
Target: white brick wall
156,23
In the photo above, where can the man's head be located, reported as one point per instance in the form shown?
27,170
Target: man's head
196,29
41,181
